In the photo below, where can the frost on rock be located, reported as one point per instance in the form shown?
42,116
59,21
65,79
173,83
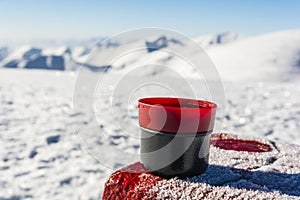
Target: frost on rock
231,174
239,175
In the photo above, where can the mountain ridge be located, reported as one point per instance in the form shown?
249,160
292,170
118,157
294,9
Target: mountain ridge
276,54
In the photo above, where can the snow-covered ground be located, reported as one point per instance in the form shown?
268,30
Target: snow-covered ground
43,157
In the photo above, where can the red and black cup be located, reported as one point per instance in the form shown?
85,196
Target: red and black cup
175,135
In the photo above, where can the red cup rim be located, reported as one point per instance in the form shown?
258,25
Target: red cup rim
198,115
186,103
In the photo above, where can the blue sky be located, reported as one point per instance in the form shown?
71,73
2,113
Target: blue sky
51,19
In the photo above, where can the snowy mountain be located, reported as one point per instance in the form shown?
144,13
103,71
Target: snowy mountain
25,57
70,54
161,43
57,58
272,56
269,56
215,39
60,54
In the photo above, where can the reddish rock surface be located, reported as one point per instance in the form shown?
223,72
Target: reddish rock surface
239,169
230,142
131,182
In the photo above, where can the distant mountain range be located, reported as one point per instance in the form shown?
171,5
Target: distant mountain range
275,54
70,57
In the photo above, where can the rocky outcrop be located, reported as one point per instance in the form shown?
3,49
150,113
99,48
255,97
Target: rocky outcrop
260,170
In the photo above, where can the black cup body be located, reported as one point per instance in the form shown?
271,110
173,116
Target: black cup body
174,155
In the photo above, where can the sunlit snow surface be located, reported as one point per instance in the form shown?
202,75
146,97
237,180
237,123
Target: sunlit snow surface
42,157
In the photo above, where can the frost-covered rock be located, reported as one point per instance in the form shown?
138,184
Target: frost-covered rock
241,173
